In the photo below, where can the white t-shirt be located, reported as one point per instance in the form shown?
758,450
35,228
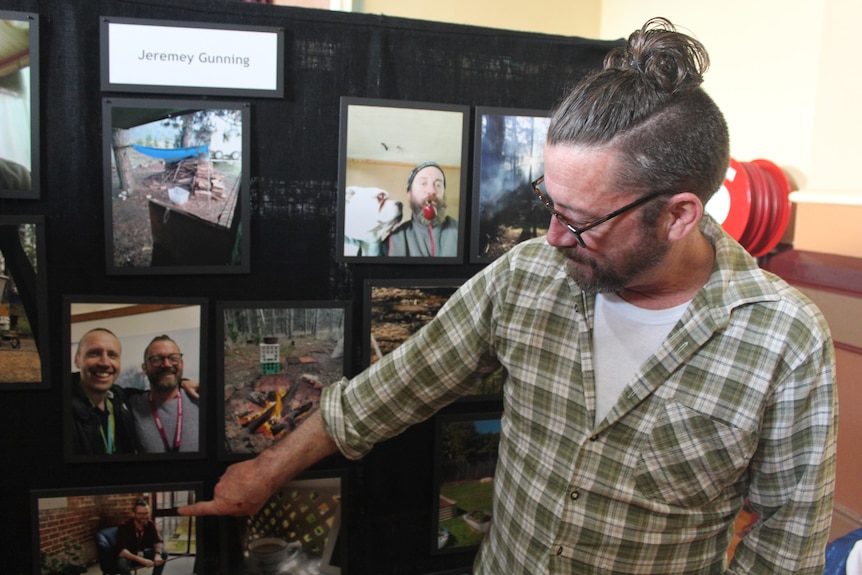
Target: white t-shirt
624,336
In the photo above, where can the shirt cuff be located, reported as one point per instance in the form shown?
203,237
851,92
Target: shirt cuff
335,421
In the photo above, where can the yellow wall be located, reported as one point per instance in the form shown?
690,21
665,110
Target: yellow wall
564,17
322,4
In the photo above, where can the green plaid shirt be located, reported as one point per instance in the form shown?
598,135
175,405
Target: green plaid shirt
739,400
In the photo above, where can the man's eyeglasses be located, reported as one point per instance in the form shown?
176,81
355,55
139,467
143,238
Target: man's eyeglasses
549,203
157,360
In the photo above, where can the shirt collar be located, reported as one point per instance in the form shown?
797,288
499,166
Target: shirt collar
736,278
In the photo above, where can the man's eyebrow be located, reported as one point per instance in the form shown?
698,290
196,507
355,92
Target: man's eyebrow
585,216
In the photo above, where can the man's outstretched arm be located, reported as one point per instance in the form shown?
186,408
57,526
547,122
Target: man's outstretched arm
246,486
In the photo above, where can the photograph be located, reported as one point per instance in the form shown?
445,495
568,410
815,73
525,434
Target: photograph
176,186
19,105
299,530
402,182
24,356
112,530
136,381
465,459
276,357
508,156
395,309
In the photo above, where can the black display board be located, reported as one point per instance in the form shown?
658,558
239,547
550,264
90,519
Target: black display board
292,233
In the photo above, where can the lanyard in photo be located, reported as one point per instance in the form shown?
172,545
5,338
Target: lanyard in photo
179,434
107,438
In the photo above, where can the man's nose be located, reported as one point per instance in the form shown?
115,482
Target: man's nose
559,235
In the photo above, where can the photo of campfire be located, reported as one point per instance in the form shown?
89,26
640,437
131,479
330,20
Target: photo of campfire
509,150
276,360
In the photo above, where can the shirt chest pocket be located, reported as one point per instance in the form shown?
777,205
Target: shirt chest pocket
690,458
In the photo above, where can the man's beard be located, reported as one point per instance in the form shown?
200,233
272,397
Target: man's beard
420,218
160,382
594,276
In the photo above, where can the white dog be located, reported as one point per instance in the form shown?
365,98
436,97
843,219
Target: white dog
369,217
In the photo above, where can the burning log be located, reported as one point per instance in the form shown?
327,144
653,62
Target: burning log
256,421
281,411
261,398
292,419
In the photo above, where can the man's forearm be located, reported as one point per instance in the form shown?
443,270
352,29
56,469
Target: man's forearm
245,487
126,554
305,446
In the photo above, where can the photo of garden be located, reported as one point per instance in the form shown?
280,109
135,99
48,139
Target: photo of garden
467,451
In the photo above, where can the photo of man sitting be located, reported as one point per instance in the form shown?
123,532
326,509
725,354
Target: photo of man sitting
139,543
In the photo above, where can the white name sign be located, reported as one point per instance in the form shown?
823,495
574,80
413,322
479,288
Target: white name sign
193,59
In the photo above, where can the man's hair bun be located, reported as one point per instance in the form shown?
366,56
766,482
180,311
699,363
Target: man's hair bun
667,59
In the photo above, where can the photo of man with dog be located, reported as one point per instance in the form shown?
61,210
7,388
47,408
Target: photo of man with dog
402,182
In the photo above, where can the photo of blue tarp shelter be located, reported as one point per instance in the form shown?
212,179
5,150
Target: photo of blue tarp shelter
173,202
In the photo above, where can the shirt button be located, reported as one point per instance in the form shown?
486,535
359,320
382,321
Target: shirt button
560,550
574,495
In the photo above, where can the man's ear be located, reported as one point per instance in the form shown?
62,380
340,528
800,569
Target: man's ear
682,215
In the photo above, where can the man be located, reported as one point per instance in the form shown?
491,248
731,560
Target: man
166,417
429,232
656,377
139,543
13,176
100,410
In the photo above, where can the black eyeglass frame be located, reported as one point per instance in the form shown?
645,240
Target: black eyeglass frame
590,225
161,359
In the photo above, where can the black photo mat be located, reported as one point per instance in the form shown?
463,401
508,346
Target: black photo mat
176,186
135,322
395,309
507,157
72,528
308,514
465,457
380,143
275,357
24,354
19,106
